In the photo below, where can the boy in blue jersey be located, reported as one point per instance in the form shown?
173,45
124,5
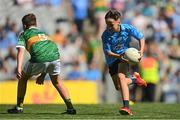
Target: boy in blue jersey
115,41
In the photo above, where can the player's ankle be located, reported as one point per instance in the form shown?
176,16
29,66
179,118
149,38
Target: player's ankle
20,105
126,103
69,104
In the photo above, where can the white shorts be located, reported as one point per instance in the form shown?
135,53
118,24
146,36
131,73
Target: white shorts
53,68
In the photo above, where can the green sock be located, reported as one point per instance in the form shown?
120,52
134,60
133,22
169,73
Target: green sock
20,101
68,104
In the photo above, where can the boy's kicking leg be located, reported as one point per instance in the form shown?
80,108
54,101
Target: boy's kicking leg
122,86
122,82
21,91
64,93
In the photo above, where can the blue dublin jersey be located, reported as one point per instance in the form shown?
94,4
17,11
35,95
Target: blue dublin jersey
118,42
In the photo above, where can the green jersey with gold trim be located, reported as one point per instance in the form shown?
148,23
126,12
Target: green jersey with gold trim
39,45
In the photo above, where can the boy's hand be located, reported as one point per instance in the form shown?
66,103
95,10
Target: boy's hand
19,74
40,79
141,55
124,59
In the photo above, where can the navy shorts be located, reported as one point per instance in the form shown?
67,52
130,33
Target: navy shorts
118,66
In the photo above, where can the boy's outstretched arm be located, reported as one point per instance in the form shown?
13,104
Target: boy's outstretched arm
142,44
20,56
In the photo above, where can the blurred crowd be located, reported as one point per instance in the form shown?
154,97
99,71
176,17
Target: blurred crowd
76,27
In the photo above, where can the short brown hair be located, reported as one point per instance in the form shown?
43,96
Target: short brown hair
114,14
29,20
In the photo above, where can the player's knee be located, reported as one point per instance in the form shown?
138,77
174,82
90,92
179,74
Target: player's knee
24,77
54,82
121,77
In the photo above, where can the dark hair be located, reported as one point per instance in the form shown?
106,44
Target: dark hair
114,14
29,20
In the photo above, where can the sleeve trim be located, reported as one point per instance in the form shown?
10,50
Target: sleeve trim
20,46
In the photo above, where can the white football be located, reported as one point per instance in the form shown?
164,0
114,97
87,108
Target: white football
132,55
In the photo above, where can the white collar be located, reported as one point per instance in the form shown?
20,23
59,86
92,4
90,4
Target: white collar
32,27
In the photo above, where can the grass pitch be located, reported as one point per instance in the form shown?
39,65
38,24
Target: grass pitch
100,111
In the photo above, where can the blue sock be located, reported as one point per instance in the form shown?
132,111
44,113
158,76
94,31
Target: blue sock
133,80
126,103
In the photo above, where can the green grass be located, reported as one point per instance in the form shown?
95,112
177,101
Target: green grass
100,111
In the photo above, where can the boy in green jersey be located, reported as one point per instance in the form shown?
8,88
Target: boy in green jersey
44,59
